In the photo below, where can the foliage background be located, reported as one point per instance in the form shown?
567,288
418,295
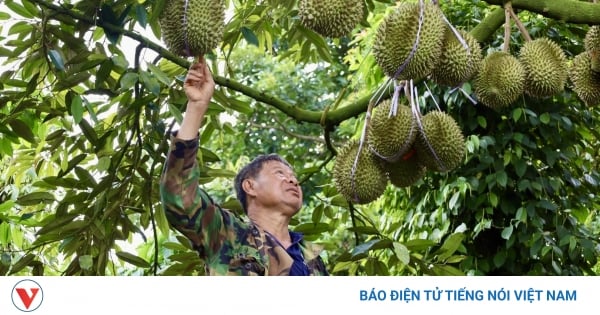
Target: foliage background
85,117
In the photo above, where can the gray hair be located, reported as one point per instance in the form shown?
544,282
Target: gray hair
250,171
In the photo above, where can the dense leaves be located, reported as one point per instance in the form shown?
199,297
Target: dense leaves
89,96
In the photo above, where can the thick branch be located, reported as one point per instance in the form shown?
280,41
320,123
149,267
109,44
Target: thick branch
565,10
333,117
489,25
569,11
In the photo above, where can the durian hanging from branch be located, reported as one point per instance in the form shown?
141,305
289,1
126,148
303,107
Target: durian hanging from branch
586,80
408,41
331,18
501,78
544,61
192,27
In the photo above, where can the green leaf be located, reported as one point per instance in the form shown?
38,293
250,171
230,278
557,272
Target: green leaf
77,108
18,9
312,228
364,247
56,59
501,178
22,130
35,198
133,259
401,252
4,16
249,36
507,232
499,259
547,205
516,114
71,80
150,83
159,74
22,263
5,233
419,244
450,245
86,262
520,167
141,14
128,80
545,118
481,121
446,270
72,163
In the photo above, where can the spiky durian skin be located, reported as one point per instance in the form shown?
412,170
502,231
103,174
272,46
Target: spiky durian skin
369,179
545,65
586,82
192,27
441,144
395,38
331,18
500,81
406,171
592,46
389,137
457,63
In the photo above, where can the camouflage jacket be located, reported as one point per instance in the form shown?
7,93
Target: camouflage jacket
227,244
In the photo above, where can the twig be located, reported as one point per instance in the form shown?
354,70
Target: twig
353,217
506,29
520,24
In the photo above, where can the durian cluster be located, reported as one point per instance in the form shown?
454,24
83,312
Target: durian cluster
331,18
411,45
540,70
192,27
407,46
399,149
585,69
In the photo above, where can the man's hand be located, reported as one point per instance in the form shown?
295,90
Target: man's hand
199,87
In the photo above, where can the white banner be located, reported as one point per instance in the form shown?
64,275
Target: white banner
297,295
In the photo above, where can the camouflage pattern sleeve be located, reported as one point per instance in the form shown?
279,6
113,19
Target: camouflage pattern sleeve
188,208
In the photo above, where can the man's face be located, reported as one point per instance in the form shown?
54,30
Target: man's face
276,186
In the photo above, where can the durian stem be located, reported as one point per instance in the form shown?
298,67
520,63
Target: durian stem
353,217
520,24
361,143
507,28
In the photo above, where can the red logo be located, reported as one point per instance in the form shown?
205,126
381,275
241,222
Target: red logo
27,295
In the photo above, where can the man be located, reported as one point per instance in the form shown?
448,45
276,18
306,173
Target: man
267,189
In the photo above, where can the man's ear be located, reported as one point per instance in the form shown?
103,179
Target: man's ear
248,187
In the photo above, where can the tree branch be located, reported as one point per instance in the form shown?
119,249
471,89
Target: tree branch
333,117
568,11
564,10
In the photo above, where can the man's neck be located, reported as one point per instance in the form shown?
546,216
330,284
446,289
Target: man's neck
273,223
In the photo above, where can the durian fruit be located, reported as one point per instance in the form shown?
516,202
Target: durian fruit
405,171
592,46
440,145
192,27
546,69
586,82
396,35
367,182
500,81
331,18
389,137
457,63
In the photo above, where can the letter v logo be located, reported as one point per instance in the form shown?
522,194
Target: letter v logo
27,295
25,298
